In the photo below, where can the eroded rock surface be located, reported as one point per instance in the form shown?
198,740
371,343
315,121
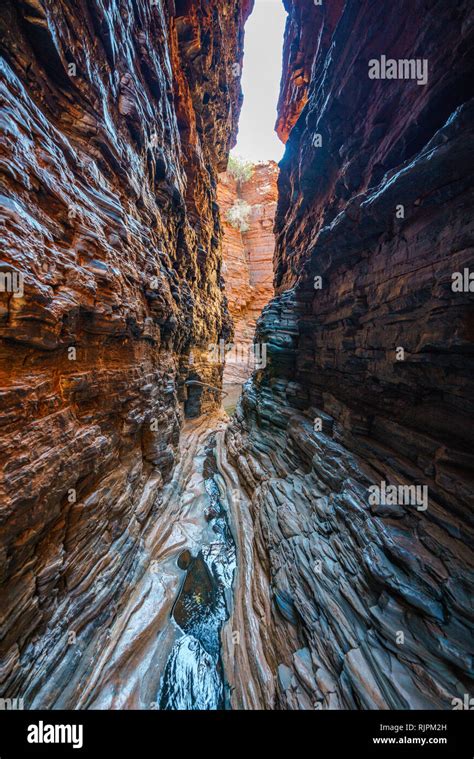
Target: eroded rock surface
248,262
117,119
343,603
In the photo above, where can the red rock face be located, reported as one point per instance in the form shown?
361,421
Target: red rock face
248,260
308,33
369,381
119,117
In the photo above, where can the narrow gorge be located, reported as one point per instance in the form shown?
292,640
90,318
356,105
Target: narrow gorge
236,409
248,206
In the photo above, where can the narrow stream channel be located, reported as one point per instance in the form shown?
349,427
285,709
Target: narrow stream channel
193,676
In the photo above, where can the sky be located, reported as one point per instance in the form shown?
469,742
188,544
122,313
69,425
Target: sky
257,140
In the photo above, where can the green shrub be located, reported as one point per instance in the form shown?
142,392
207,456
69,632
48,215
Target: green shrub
240,169
238,215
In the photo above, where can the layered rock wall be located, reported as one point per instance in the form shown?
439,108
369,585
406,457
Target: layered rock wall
248,260
347,603
117,119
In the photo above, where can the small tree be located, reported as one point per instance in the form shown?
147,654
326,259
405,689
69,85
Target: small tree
240,169
238,215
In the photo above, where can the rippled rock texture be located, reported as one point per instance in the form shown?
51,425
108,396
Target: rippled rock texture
118,118
248,261
346,604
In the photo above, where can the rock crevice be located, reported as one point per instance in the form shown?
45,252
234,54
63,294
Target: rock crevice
248,251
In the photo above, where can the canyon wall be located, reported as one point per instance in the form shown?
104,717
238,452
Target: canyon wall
347,600
248,261
118,118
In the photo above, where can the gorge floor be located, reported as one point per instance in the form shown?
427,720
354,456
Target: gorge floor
166,650
193,678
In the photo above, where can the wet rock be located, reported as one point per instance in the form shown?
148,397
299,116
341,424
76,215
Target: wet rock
190,680
111,152
184,560
336,410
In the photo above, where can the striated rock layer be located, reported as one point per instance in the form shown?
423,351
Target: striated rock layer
344,603
248,261
117,119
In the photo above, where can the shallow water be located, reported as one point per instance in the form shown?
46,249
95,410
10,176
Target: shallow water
193,677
